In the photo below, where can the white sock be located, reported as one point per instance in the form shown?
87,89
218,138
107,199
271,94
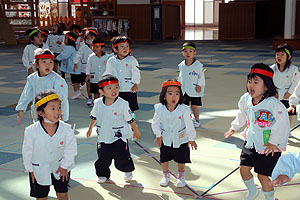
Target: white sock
269,195
251,186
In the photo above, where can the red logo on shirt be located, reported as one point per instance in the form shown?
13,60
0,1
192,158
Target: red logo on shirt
62,142
287,77
104,61
126,65
115,113
61,85
179,117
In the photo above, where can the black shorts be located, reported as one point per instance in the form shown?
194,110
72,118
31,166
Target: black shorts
287,105
94,88
262,164
179,155
41,191
83,75
75,78
131,98
194,100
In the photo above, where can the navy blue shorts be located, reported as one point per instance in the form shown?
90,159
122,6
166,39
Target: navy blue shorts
179,155
194,100
131,98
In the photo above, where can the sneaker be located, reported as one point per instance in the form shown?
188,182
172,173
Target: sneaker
89,102
196,124
101,179
248,197
164,181
128,176
76,95
180,183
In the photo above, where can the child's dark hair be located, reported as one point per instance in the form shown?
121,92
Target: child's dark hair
71,39
268,81
98,40
75,27
45,32
121,39
32,33
40,96
92,32
285,48
61,28
189,44
162,96
107,77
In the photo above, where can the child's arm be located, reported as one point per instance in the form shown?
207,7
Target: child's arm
239,120
27,149
295,97
286,167
61,87
294,83
136,75
156,129
280,129
78,58
201,80
65,54
136,132
25,99
92,124
70,152
88,69
190,129
26,61
108,69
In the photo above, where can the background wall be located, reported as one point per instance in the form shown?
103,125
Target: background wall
133,2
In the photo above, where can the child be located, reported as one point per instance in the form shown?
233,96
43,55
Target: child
96,66
45,34
294,101
174,131
44,78
285,169
192,78
55,40
35,41
49,148
114,123
126,68
67,63
286,75
267,130
81,59
75,28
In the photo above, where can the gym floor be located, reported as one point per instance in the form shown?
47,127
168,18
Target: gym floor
226,62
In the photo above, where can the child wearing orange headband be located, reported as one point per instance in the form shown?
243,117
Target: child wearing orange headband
115,123
267,131
49,148
174,130
44,78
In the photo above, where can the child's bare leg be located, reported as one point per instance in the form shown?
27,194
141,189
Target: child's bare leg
166,178
181,167
245,172
195,111
62,196
165,166
248,180
76,86
45,198
291,119
88,89
268,189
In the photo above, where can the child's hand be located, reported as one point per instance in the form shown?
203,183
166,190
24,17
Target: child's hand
193,145
20,113
88,133
271,149
136,134
75,67
287,95
198,88
158,141
280,180
87,79
134,88
291,109
32,176
63,173
229,133
30,71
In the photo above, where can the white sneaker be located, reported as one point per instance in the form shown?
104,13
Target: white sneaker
248,197
89,102
196,124
180,183
128,176
76,95
101,179
164,181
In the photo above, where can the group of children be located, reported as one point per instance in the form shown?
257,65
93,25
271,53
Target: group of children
49,146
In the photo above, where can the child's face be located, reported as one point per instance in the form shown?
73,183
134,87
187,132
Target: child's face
38,40
55,28
123,50
52,111
188,53
281,57
89,39
76,32
256,88
110,91
172,96
45,66
98,50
